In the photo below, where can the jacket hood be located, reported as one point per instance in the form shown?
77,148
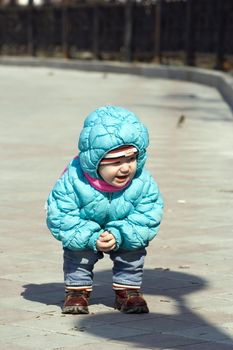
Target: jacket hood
108,128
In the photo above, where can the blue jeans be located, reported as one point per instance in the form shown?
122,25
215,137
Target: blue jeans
127,267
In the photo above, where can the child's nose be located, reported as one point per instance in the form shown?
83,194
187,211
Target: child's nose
124,167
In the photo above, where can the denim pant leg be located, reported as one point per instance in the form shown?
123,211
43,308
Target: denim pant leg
78,267
128,267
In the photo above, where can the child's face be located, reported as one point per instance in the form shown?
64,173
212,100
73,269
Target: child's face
119,173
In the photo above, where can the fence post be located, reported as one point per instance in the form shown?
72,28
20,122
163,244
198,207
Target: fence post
157,47
95,32
190,39
127,49
30,30
220,39
65,30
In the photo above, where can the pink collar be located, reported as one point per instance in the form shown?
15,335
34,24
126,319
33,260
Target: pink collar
103,186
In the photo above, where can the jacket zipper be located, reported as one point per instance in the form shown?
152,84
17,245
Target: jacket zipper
110,200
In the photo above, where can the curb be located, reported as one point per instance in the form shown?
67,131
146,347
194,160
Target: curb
223,82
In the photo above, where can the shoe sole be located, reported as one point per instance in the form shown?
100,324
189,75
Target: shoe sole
75,310
136,310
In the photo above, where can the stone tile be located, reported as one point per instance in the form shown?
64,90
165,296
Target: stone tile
14,287
206,333
205,346
32,277
39,340
15,347
161,324
81,323
110,345
200,316
10,315
157,340
28,305
61,336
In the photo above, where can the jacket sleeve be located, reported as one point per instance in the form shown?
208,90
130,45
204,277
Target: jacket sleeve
143,223
64,221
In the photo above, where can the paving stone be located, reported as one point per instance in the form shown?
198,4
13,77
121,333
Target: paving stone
205,346
157,340
36,339
209,333
10,314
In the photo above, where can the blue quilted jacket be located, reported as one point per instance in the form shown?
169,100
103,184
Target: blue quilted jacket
78,213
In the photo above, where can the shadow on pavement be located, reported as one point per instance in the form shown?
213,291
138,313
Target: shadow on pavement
154,330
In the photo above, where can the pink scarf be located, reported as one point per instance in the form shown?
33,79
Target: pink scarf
103,186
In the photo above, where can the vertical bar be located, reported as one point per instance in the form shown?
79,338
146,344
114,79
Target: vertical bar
127,51
95,36
190,39
220,36
157,47
65,30
2,17
30,30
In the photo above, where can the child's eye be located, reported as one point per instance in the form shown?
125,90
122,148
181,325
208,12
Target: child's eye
132,159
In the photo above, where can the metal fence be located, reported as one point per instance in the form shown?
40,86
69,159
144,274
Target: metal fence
158,31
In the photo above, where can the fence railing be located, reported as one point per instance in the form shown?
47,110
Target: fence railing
166,30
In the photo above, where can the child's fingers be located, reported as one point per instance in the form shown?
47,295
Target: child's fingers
105,238
106,244
104,234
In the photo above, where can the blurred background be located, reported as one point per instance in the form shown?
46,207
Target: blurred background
177,32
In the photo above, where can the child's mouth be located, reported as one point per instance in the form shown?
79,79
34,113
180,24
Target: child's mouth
121,178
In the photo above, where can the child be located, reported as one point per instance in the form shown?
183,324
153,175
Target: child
106,202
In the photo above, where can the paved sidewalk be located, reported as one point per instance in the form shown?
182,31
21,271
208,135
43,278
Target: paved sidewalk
188,278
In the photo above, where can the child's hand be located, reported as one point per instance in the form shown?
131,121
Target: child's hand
106,242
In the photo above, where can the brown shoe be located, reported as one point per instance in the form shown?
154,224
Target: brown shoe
76,302
130,301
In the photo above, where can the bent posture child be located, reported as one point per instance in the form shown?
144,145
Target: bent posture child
106,203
